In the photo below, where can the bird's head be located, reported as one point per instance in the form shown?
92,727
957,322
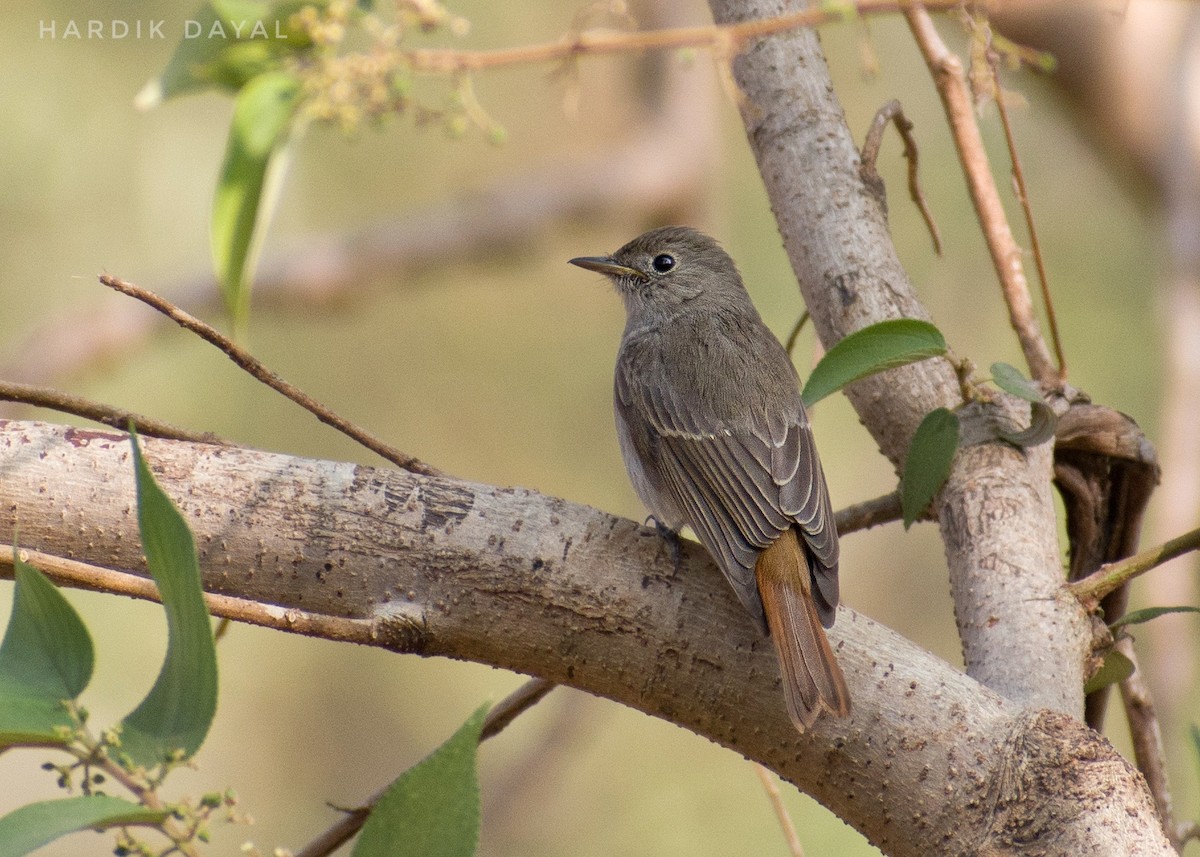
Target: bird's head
668,267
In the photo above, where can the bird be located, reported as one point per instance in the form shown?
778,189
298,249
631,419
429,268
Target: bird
714,435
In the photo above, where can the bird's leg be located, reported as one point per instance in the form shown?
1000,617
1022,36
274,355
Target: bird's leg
671,537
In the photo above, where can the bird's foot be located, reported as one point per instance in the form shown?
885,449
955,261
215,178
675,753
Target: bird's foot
671,537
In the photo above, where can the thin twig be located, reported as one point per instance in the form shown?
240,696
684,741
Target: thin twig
1023,196
512,706
1089,590
893,112
869,513
1148,751
254,367
119,418
720,38
92,577
795,334
947,71
785,820
507,710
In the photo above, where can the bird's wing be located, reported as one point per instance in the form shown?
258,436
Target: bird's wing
741,483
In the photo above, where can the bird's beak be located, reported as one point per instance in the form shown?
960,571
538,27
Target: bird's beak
605,265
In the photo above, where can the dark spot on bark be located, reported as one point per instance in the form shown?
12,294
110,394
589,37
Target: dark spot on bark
845,286
444,505
538,564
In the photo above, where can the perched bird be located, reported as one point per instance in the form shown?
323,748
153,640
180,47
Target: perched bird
715,436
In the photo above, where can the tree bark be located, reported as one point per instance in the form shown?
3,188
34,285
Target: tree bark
930,762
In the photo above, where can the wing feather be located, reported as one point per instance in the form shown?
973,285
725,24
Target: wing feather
742,481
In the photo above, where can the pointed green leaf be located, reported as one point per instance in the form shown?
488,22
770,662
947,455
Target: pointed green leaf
432,809
45,659
928,462
30,827
177,712
262,118
1137,617
1010,379
1116,668
885,345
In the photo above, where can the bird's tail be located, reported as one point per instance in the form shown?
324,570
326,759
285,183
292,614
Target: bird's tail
812,680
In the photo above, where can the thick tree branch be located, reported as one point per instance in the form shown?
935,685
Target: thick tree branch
541,586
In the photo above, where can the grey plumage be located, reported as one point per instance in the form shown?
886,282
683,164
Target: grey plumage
710,420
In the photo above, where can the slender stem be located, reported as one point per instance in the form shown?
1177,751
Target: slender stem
146,796
947,71
726,40
893,112
869,513
1089,590
255,368
85,576
1035,243
45,397
795,848
1146,737
795,334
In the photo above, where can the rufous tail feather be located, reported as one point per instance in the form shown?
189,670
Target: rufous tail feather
812,680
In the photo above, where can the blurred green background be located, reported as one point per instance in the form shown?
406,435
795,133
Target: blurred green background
495,366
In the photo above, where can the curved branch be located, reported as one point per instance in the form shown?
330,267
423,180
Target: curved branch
534,584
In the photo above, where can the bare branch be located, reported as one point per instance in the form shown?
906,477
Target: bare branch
947,71
893,112
785,821
1095,586
255,368
726,40
869,513
118,418
1035,243
1148,749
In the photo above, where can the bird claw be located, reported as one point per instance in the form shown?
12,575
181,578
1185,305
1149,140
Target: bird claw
671,537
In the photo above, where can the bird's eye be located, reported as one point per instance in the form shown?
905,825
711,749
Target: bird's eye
663,263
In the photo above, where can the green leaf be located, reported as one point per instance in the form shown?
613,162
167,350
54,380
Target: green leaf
928,462
1010,379
262,118
177,712
30,827
1137,617
432,809
885,345
1116,667
226,43
46,658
